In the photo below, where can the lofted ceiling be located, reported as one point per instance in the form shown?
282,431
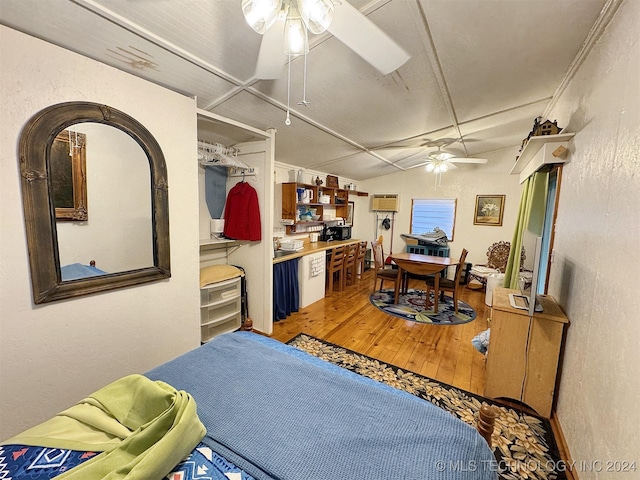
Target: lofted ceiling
480,71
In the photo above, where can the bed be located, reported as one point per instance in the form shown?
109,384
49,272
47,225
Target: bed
75,271
274,412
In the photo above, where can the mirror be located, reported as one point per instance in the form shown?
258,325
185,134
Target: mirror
127,229
117,235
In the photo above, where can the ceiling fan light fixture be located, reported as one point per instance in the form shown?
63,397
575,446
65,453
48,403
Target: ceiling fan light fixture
296,41
429,167
260,14
317,14
442,156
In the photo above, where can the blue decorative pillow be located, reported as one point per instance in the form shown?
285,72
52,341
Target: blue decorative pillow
481,341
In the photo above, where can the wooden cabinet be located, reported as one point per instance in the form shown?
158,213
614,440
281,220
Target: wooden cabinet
522,361
291,207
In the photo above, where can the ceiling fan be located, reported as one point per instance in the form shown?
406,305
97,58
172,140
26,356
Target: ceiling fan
437,161
284,25
440,161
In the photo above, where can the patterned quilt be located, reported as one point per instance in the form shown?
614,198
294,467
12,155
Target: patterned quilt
19,462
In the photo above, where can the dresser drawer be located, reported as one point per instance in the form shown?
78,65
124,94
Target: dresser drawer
220,292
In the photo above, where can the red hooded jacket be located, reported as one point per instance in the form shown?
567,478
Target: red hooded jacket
242,214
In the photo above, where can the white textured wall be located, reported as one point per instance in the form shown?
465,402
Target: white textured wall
464,184
54,354
597,250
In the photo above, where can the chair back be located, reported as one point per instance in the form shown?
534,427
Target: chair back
337,259
498,255
378,254
360,254
349,265
350,254
460,267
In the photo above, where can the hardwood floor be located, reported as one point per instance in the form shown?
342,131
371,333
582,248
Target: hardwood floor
348,319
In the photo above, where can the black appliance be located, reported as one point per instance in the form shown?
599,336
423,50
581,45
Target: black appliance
341,232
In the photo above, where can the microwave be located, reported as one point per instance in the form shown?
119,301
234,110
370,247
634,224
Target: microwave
341,232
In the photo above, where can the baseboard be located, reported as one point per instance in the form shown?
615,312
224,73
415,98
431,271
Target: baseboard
563,448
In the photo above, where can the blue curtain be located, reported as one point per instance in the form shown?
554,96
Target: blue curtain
215,188
286,292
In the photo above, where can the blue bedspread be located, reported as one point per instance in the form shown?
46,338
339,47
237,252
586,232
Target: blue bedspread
78,270
279,413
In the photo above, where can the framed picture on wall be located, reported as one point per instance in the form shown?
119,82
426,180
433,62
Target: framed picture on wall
68,176
350,209
489,210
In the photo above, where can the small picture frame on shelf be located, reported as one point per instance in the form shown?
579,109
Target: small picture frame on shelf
350,209
489,210
332,181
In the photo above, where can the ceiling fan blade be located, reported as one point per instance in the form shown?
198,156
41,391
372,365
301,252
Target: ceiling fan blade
366,39
271,58
450,166
440,142
467,160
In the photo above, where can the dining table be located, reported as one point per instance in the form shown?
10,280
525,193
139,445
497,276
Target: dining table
422,265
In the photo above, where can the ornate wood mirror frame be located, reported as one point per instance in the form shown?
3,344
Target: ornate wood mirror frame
35,145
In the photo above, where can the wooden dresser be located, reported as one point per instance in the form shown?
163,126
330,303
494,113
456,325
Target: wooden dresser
522,361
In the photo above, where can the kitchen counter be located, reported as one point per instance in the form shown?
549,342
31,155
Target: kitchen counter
310,248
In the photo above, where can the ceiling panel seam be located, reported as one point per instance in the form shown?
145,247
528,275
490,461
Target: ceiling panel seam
434,61
315,124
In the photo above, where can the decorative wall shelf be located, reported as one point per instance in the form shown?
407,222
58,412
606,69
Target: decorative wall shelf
539,151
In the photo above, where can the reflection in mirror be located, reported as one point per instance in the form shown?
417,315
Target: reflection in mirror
68,176
127,232
118,234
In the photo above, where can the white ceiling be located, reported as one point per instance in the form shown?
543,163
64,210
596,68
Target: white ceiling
481,70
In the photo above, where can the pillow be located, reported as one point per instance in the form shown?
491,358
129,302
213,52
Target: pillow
481,341
218,273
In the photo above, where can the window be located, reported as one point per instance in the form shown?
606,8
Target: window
429,213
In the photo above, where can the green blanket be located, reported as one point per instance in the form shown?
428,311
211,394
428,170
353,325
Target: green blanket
144,429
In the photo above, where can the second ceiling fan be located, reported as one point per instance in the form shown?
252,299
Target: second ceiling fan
440,161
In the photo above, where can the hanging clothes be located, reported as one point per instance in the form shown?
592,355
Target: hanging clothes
242,214
215,188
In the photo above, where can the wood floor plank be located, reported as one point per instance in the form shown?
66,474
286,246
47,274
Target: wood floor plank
348,319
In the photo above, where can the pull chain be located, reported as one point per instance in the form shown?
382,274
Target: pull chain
304,84
287,121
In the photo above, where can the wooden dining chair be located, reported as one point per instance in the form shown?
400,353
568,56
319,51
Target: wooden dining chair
335,268
381,270
362,251
349,265
446,285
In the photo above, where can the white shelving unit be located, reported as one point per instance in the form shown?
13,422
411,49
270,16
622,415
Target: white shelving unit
220,308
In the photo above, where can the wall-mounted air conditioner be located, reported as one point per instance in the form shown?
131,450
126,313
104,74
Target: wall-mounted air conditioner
385,202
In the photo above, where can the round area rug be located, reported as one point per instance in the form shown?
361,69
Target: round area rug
411,307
